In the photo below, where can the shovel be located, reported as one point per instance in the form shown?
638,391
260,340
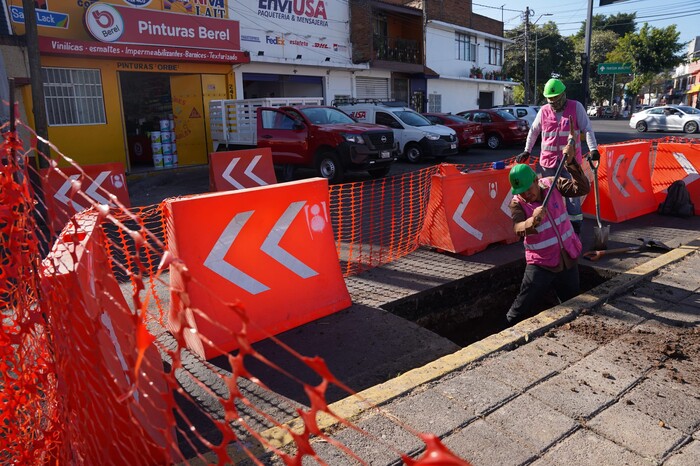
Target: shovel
600,232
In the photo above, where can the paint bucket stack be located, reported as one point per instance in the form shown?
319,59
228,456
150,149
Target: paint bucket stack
157,149
167,134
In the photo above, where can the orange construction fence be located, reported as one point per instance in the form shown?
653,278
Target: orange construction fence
102,339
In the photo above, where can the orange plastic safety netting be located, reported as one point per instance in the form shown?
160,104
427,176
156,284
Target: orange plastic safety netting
94,363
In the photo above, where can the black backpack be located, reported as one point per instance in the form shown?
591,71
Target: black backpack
677,202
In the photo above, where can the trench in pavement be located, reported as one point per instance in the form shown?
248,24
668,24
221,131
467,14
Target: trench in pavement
473,308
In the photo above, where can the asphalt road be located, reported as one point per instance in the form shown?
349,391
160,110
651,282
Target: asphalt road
150,190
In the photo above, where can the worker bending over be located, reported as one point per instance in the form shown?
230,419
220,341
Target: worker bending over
551,247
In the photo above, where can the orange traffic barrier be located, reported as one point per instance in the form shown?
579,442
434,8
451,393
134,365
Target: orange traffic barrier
677,162
111,373
624,183
468,211
61,188
271,247
241,169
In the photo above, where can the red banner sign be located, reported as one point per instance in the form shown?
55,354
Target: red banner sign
126,25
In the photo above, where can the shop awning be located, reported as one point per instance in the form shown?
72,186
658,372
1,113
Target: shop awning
695,89
427,73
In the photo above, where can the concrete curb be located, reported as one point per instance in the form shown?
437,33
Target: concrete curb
354,405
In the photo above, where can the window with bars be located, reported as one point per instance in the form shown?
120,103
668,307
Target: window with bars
465,46
435,103
73,96
495,52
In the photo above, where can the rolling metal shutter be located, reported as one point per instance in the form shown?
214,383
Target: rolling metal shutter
372,88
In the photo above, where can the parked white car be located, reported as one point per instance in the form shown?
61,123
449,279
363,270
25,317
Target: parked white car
667,118
525,112
416,135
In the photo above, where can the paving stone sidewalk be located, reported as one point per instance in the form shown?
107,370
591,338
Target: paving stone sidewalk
619,384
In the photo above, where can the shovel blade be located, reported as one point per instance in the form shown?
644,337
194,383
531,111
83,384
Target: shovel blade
600,237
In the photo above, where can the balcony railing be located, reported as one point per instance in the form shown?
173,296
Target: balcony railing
396,49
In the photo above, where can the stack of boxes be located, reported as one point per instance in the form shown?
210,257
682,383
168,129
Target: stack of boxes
163,144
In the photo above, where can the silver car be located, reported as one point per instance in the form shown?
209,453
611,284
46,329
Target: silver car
667,118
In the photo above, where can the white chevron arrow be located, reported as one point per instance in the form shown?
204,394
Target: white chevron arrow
692,173
61,193
215,261
630,177
457,217
506,202
63,190
92,189
248,172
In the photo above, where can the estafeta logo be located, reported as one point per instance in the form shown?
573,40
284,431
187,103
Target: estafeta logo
104,22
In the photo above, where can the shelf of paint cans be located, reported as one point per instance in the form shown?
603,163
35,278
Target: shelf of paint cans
163,145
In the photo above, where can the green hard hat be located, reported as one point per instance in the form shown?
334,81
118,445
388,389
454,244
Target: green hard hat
553,88
521,177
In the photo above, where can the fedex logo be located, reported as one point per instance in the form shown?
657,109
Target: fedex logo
276,40
359,115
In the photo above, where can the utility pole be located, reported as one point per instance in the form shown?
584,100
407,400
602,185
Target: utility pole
528,12
586,58
38,105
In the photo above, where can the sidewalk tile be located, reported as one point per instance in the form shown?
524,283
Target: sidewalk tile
572,341
475,391
587,448
664,400
666,290
688,455
571,395
430,411
599,372
483,444
627,426
533,421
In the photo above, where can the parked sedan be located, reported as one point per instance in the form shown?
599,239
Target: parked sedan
667,118
468,132
500,126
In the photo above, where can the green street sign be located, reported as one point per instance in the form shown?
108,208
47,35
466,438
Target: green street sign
615,68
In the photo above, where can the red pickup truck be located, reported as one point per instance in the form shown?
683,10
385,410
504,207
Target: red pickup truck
303,133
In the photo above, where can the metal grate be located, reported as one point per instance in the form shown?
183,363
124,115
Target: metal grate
435,103
73,96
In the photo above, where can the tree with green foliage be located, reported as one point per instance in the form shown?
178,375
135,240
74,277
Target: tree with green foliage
552,52
621,24
650,51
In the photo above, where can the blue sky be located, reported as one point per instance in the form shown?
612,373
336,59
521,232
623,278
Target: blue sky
569,14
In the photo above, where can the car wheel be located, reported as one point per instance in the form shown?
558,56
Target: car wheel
413,153
493,141
328,167
690,127
379,172
641,126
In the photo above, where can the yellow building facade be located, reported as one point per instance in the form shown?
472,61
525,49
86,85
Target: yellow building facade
132,84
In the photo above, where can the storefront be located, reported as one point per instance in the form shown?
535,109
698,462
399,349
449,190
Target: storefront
132,84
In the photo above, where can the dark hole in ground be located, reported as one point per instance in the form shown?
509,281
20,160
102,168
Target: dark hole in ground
475,307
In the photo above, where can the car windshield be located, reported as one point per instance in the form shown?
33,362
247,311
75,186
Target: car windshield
690,110
506,115
326,116
457,119
412,118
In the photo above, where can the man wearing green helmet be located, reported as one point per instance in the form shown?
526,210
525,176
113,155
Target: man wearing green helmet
552,122
552,248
